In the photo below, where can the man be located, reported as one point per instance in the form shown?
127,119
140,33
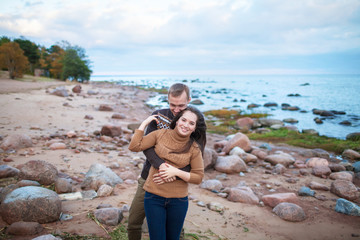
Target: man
178,98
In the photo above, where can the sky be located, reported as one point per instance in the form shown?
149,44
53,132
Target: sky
196,36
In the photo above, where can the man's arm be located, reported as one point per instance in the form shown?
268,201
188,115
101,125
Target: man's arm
150,153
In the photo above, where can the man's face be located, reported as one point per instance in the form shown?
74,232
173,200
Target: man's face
177,104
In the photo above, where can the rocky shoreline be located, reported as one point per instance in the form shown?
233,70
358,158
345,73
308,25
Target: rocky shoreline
66,150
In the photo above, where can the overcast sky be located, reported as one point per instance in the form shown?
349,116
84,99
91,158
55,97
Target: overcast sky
196,36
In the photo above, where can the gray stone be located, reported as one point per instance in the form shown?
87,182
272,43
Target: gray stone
347,207
305,191
24,228
98,175
109,216
212,184
344,189
230,164
283,158
356,166
31,204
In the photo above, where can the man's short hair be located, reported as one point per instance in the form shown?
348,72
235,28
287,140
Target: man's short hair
177,89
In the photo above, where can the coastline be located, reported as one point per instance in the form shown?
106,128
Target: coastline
33,111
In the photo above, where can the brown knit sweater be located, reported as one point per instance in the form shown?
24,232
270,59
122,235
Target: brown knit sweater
166,141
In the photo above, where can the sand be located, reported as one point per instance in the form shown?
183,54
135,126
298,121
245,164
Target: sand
28,108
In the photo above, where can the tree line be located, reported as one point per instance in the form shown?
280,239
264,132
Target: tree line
61,61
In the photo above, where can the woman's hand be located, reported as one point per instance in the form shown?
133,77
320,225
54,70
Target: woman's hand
147,121
168,172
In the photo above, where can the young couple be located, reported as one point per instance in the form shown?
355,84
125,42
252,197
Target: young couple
173,159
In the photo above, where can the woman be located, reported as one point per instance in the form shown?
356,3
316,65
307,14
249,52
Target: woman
183,144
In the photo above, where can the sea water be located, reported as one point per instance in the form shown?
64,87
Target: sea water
325,92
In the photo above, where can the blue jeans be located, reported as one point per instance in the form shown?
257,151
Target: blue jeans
165,216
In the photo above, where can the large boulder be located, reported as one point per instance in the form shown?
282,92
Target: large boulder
347,207
274,199
31,204
109,216
344,189
16,141
230,164
243,195
238,140
40,171
111,130
316,161
351,154
211,185
290,212
98,175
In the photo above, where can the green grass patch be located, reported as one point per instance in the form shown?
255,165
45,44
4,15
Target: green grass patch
306,140
158,90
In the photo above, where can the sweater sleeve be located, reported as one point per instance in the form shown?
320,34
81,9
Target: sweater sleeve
197,167
139,142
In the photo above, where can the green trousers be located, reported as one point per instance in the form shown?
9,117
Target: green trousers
137,214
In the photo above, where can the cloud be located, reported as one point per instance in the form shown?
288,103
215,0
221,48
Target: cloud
220,31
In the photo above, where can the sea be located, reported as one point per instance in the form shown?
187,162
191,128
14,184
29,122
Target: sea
340,93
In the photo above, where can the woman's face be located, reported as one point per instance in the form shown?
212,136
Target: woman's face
186,123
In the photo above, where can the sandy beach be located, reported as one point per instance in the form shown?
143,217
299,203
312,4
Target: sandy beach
28,108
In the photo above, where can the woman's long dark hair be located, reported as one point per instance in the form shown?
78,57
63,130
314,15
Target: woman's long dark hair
199,135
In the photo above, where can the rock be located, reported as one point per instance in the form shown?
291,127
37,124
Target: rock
57,146
60,91
342,175
356,167
98,175
335,167
197,102
24,183
270,104
63,185
253,105
8,171
315,161
261,154
344,189
238,140
353,136
347,207
274,199
46,237
16,141
89,117
209,158
279,169
351,154
105,108
128,175
118,116
31,204
290,212
310,131
40,171
92,92
111,130
321,171
104,190
245,123
305,191
230,164
299,164
249,158
212,184
290,120
266,122
243,195
318,186
281,157
109,216
24,228
237,151
215,206
77,88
